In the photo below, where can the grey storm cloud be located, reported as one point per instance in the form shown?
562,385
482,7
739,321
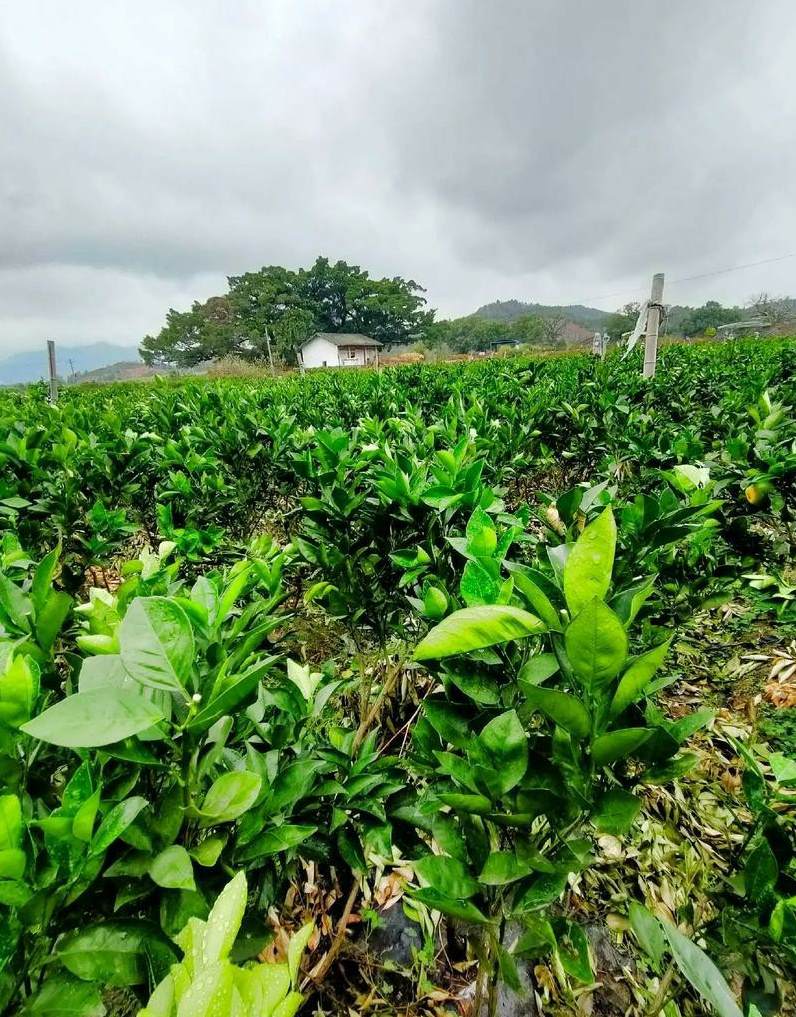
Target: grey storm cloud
551,151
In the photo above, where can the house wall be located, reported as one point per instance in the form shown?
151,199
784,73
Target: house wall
352,356
320,353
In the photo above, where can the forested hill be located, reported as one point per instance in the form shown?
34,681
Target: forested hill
510,310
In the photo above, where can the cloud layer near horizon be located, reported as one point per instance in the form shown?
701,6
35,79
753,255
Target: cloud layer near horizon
558,152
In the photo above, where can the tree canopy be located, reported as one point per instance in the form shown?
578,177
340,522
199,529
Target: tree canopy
471,333
289,306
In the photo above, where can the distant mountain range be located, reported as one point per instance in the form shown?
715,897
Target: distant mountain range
31,365
509,310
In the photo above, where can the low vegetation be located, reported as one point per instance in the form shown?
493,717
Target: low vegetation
505,649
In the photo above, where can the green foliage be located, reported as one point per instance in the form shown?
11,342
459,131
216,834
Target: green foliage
206,982
290,306
520,782
175,722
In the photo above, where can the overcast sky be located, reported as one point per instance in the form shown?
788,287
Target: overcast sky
548,150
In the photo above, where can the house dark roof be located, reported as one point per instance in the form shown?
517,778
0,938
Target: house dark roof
345,339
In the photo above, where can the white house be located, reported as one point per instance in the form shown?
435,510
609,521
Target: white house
340,349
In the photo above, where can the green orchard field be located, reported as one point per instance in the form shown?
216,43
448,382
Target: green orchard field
509,645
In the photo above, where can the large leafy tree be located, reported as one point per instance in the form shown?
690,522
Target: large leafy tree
288,306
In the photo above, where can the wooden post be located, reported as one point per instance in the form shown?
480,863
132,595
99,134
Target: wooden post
52,370
270,354
653,323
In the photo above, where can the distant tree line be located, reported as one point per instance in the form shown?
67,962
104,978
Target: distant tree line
473,333
771,312
287,306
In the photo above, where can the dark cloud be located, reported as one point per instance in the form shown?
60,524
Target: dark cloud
529,148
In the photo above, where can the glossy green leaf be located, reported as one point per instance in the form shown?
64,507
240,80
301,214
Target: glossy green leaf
478,586
263,987
90,719
209,993
10,822
116,822
480,688
538,669
637,676
616,811
504,746
279,838
587,573
448,876
474,628
111,953
230,796
701,972
562,708
83,823
608,748
462,910
51,617
628,602
62,996
529,587
101,670
172,869
451,722
574,953
503,867
207,852
481,535
596,645
672,769
156,644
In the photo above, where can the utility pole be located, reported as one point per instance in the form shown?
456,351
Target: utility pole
653,324
52,370
270,355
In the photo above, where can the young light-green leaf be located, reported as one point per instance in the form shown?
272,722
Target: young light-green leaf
224,920
587,573
230,796
172,869
157,644
91,719
596,644
474,628
295,949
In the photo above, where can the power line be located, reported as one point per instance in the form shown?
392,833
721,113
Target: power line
689,278
735,268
